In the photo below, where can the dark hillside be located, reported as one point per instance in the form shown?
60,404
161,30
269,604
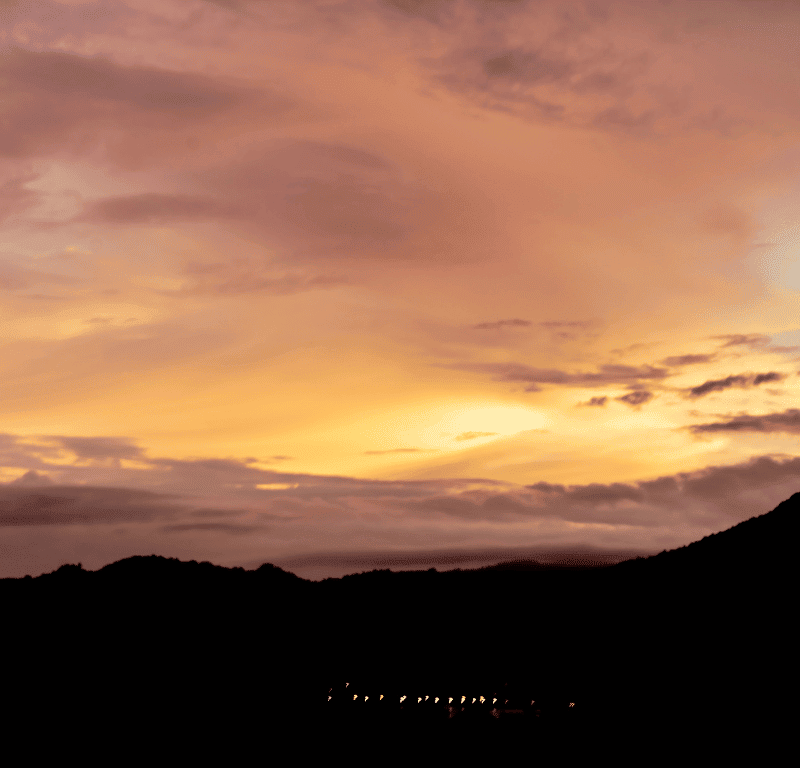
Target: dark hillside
698,637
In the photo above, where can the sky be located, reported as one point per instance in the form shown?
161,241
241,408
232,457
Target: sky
355,284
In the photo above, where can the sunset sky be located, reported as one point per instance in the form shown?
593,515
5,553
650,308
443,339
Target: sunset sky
355,284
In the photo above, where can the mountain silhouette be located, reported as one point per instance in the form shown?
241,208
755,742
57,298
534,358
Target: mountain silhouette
695,640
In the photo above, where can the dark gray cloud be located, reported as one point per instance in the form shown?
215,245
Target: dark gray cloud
528,66
787,421
741,381
59,102
717,494
638,397
32,478
678,360
81,505
763,378
607,374
569,71
596,401
557,324
707,499
70,76
156,208
322,199
433,10
230,528
99,447
502,323
752,340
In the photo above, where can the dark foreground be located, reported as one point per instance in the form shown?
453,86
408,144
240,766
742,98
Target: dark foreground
691,654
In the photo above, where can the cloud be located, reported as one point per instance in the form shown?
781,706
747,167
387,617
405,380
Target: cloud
239,276
57,101
762,378
433,10
752,340
99,447
501,323
638,397
571,68
710,498
231,528
473,435
155,208
32,478
679,360
741,381
716,493
86,78
607,374
314,197
398,450
80,505
596,401
556,324
787,421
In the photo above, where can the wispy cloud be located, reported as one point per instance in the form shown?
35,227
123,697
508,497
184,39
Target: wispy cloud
638,397
607,374
787,421
596,401
513,322
741,381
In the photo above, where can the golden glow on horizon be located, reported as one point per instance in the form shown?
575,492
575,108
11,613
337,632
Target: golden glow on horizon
462,425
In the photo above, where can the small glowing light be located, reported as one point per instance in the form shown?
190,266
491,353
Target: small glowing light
483,700
572,703
473,700
462,699
436,700
346,684
494,701
329,698
450,700
355,696
402,699
419,699
366,698
381,696
427,697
